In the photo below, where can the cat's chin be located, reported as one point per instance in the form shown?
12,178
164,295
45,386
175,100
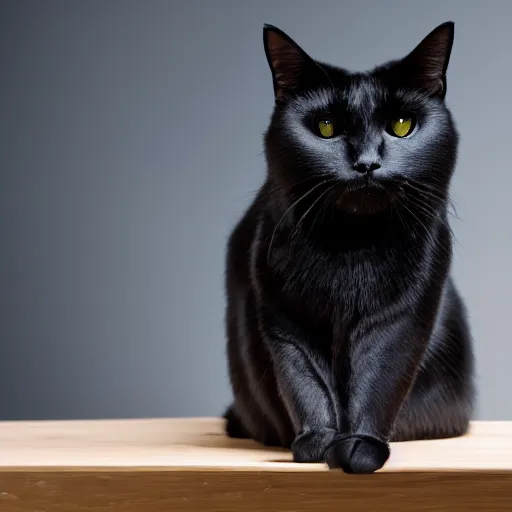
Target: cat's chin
364,201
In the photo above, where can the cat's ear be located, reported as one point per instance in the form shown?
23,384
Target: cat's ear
426,65
288,62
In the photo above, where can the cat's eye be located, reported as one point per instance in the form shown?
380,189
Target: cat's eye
325,128
401,126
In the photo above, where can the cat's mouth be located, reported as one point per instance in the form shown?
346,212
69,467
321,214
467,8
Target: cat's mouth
366,196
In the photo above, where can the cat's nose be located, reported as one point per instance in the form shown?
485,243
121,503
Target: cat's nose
366,166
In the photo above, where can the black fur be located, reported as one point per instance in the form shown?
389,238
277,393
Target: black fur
345,330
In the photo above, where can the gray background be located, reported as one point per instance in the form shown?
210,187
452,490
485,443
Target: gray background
130,142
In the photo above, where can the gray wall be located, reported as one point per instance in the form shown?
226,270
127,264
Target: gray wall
130,142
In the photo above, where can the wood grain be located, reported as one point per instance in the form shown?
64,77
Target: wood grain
189,465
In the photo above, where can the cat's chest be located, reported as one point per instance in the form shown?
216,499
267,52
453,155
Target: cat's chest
350,282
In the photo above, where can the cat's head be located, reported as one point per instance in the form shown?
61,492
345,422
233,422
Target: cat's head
382,137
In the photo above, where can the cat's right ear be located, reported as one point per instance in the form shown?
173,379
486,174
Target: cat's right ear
288,62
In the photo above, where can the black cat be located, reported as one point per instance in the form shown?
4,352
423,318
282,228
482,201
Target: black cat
345,330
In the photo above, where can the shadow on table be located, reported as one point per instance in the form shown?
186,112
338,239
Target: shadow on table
217,440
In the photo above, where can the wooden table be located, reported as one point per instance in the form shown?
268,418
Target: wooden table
189,465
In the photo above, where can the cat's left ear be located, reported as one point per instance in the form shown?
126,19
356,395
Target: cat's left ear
426,65
289,63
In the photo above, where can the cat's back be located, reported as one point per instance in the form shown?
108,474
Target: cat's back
239,245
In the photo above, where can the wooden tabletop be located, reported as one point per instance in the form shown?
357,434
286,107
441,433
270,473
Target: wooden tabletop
182,444
189,464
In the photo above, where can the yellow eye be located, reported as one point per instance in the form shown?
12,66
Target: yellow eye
402,126
326,128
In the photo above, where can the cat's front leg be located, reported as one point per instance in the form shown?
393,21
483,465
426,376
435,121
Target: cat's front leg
303,384
383,365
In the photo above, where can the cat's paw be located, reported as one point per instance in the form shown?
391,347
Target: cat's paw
357,454
309,446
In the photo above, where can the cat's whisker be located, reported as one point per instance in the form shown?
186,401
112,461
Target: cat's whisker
423,207
426,230
429,211
424,189
323,209
435,193
432,216
296,229
404,224
295,184
288,210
